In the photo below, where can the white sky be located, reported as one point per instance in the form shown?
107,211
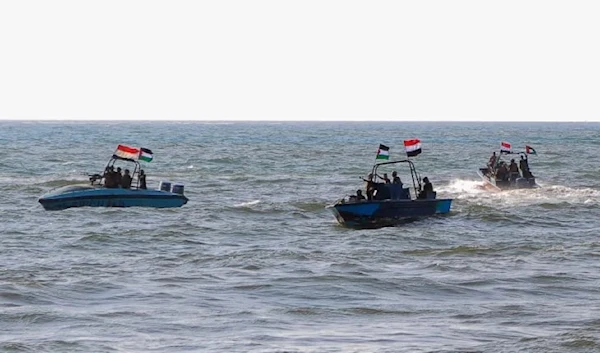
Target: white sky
300,60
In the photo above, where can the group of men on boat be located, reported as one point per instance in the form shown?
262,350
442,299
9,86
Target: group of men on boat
508,172
114,179
388,189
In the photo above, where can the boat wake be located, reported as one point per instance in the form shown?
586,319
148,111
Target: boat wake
463,187
474,191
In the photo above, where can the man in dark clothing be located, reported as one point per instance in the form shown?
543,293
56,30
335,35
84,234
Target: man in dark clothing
370,187
126,180
492,161
142,178
513,170
109,178
524,168
502,172
396,178
427,188
386,179
359,195
106,176
118,177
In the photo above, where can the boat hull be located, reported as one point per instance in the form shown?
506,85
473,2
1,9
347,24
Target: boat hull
89,196
374,214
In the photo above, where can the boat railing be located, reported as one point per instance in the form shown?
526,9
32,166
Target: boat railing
416,178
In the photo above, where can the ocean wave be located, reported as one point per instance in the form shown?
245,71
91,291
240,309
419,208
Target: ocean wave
51,181
247,204
310,206
460,250
224,160
351,311
61,182
272,181
292,207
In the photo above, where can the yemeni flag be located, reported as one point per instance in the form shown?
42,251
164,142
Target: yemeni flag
145,155
504,147
412,147
127,152
529,150
383,152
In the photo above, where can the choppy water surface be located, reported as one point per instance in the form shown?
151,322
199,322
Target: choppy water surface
254,262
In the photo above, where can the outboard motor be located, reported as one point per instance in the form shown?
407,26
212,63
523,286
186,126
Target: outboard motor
177,189
165,186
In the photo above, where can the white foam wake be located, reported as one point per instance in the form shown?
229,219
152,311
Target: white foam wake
459,186
246,204
553,194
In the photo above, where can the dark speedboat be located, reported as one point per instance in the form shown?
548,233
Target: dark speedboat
498,177
391,204
99,194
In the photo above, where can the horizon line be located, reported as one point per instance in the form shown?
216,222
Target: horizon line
291,120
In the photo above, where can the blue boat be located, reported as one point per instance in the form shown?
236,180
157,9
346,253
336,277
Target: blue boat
99,194
391,204
497,177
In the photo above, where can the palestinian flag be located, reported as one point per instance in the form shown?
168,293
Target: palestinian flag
383,152
412,147
504,147
145,155
127,152
529,150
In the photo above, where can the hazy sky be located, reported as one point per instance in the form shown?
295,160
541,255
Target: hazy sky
300,60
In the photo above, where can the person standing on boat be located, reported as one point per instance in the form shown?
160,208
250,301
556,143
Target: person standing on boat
370,186
396,190
110,178
142,178
524,168
118,177
385,178
106,175
395,178
492,161
513,170
502,172
427,189
126,180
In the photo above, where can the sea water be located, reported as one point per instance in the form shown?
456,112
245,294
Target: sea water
256,263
